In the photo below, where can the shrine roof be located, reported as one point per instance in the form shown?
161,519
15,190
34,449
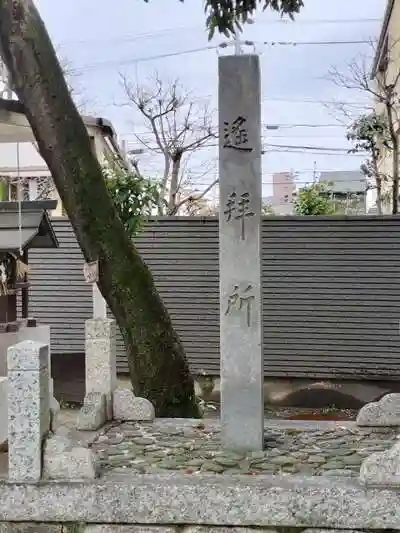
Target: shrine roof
36,228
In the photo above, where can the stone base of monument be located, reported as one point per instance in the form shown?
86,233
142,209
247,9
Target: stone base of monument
130,408
386,412
382,468
66,456
93,414
126,407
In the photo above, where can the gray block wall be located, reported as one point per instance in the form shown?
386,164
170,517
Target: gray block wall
331,293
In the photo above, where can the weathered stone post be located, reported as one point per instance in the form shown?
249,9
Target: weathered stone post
40,333
101,373
242,405
103,400
28,409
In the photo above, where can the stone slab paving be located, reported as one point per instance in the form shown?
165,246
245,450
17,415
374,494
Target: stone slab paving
192,447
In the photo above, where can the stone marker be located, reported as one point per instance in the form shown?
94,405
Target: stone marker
128,407
386,412
242,375
28,409
40,333
93,414
382,468
67,457
101,373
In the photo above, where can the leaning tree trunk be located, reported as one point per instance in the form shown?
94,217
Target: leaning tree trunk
157,362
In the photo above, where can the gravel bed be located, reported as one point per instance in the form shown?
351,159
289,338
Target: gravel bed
191,447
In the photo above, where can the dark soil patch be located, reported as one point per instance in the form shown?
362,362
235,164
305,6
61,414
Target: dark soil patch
332,414
333,417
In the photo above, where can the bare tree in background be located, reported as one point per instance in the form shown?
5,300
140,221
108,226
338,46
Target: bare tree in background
178,128
73,79
369,135
384,89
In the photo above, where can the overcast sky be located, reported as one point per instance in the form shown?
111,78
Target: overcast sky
102,39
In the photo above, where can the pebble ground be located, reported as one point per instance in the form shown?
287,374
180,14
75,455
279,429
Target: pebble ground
191,447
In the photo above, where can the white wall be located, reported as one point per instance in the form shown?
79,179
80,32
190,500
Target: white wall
28,156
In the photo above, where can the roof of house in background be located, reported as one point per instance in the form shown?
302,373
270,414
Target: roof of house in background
285,209
345,181
267,200
22,132
382,37
15,106
36,229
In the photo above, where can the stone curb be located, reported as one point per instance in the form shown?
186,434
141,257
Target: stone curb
183,500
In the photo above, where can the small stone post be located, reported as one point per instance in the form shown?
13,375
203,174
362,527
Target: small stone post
242,375
101,373
40,333
28,409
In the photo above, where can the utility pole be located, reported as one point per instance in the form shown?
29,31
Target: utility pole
237,44
315,172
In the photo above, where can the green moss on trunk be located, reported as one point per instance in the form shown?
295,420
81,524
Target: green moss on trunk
157,362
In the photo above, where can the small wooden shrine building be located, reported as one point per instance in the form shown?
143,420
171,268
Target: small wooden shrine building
23,226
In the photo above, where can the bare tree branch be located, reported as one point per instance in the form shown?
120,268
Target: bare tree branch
178,127
377,132
194,198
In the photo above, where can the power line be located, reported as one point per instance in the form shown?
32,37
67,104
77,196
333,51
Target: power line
263,182
279,126
121,62
313,152
151,35
293,173
294,100
307,43
270,127
305,136
308,147
292,149
284,147
111,63
309,101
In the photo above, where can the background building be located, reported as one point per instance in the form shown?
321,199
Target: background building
348,189
283,187
283,193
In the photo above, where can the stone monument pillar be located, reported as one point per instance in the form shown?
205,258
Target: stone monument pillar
101,373
28,409
242,377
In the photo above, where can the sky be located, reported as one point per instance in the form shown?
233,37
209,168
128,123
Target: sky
102,41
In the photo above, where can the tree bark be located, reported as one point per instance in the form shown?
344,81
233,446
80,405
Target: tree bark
378,180
395,159
157,363
379,195
395,190
176,165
